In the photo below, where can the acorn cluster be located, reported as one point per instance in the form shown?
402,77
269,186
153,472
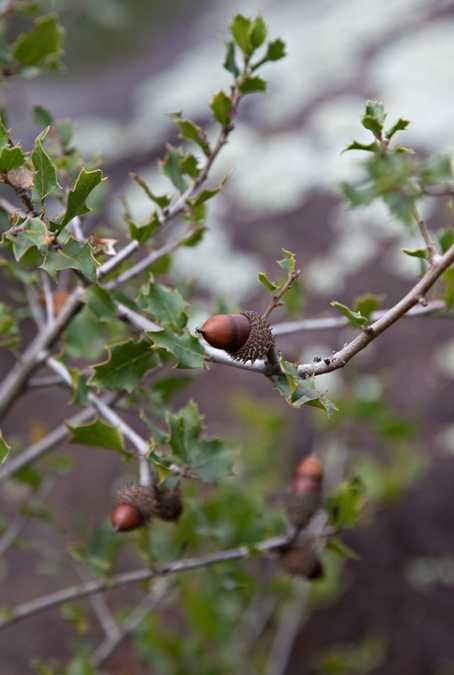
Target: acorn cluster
301,502
136,505
245,337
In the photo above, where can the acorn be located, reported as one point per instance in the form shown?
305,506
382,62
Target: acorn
246,336
168,503
300,559
134,507
304,497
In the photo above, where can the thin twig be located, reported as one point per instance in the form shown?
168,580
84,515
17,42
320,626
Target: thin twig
48,297
275,297
434,256
31,607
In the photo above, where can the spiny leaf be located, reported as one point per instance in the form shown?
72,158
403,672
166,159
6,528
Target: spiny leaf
127,363
32,234
170,167
42,43
97,434
187,349
221,105
165,304
354,317
267,283
45,181
11,158
76,206
73,255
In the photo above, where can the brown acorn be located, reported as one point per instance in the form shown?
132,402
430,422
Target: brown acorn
246,336
168,503
304,497
134,507
300,559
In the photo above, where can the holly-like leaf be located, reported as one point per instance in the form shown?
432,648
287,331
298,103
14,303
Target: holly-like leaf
367,303
400,125
4,449
161,200
97,434
230,62
45,181
73,255
417,253
189,165
41,116
221,105
127,363
375,116
11,158
211,460
252,84
372,147
100,302
191,131
187,349
267,283
337,545
33,234
170,167
165,304
42,43
241,29
144,232
258,31
76,206
355,318
184,429
346,503
288,263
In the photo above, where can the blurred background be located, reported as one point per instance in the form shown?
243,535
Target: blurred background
128,64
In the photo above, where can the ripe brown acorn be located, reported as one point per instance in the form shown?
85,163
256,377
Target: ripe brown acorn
137,504
246,336
304,497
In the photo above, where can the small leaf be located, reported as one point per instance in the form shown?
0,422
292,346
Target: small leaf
189,165
354,317
374,118
230,63
346,503
165,304
161,200
341,549
11,158
204,196
445,239
367,303
186,348
417,253
193,132
288,263
34,234
97,434
221,105
73,255
42,116
76,206
4,449
42,43
267,283
400,125
194,237
252,84
100,303
241,29
143,232
211,460
127,364
372,147
170,167
45,181
258,32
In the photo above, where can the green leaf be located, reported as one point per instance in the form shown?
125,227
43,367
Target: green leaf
144,232
100,303
276,50
194,237
436,169
366,304
267,283
241,31
252,84
400,125
184,429
190,130
8,327
323,403
258,31
445,239
97,434
448,294
288,263
45,181
346,503
76,206
84,337
33,234
417,253
186,348
170,167
335,544
11,158
204,196
4,449
161,200
42,116
372,147
355,318
374,118
42,43
165,304
211,460
127,364
189,165
73,255
230,62
221,105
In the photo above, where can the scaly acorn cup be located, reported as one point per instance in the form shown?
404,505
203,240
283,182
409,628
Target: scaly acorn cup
304,497
245,337
168,504
300,559
135,507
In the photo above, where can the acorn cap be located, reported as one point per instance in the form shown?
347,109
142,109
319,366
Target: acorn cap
168,503
308,475
301,506
140,497
301,560
259,342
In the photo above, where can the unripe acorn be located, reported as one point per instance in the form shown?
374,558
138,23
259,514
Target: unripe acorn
301,560
304,497
246,336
